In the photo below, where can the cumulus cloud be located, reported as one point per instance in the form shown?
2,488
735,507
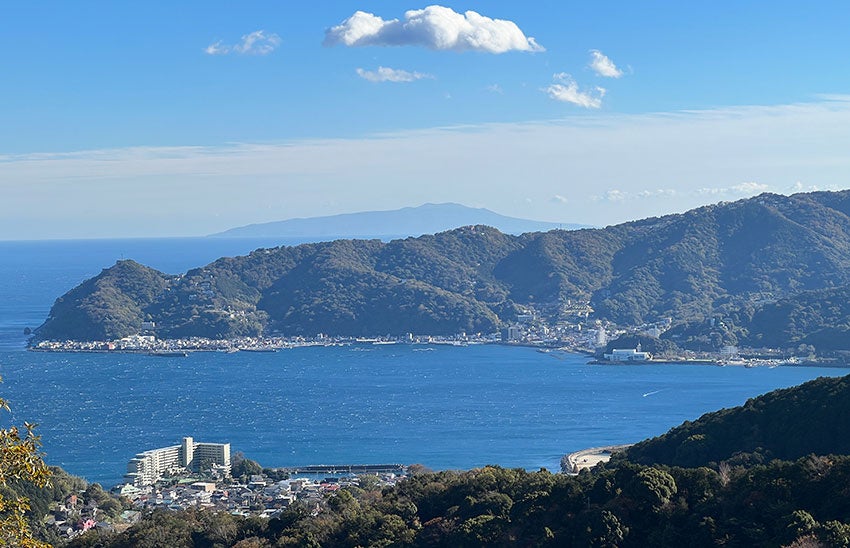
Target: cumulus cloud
258,42
602,65
566,90
434,27
386,74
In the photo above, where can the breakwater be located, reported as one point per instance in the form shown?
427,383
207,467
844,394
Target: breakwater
347,469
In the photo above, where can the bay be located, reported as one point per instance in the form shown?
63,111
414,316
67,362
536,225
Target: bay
445,407
442,406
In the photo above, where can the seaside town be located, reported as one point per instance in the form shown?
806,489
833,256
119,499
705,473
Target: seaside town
204,475
582,335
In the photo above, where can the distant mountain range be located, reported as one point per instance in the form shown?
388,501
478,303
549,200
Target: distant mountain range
397,223
770,270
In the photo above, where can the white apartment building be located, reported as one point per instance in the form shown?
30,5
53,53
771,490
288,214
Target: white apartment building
150,466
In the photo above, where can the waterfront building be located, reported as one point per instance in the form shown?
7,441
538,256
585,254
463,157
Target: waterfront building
511,333
628,355
148,467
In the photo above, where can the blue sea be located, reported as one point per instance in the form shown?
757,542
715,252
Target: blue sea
445,407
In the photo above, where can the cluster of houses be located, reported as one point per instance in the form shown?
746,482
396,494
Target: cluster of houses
73,516
261,495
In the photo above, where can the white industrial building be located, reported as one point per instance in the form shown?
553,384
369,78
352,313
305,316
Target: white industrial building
628,355
150,466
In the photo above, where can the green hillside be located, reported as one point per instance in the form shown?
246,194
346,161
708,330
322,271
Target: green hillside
784,424
724,260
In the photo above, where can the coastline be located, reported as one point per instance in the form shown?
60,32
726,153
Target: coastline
149,345
585,459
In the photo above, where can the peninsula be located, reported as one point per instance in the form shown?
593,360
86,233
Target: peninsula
767,272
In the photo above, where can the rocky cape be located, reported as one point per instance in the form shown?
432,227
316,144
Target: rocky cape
728,273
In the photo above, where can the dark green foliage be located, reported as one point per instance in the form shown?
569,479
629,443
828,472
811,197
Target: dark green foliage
109,306
729,261
765,505
784,424
820,318
243,468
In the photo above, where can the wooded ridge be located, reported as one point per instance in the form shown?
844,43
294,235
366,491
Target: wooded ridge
771,269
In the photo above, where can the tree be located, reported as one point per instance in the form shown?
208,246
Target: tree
242,467
20,461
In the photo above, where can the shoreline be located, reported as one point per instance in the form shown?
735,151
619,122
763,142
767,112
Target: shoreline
585,459
149,345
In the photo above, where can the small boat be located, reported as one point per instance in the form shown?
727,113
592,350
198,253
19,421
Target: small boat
169,353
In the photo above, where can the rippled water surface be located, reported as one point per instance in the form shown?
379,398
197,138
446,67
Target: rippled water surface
445,407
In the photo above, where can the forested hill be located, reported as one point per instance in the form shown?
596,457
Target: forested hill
713,260
784,424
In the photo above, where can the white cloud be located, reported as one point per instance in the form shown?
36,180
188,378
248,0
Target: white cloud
435,27
258,42
657,193
602,65
743,189
750,188
700,154
566,90
386,74
217,48
614,195
799,186
558,199
495,88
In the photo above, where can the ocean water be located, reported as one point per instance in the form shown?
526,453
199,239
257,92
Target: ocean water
442,406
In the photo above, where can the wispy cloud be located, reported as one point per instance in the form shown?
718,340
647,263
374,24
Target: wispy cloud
602,65
386,74
749,188
217,48
614,195
653,164
618,195
434,27
258,42
558,199
495,88
566,90
657,193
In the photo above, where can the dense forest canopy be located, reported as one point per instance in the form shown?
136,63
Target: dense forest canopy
774,269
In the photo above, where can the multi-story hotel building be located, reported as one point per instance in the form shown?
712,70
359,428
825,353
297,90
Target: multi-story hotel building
150,466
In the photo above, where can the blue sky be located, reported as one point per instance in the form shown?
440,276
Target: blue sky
186,118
